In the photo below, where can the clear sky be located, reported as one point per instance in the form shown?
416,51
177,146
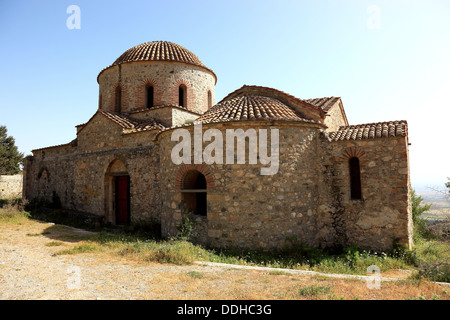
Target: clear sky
387,60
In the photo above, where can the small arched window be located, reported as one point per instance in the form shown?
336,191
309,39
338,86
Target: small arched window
194,192
355,179
100,101
182,96
149,96
118,102
209,99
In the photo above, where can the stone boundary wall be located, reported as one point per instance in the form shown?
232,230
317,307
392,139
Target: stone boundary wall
11,186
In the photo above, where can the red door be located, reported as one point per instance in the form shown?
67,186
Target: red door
122,200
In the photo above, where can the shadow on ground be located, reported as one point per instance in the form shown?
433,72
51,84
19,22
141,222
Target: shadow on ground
67,234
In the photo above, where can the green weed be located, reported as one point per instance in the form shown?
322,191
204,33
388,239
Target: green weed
312,291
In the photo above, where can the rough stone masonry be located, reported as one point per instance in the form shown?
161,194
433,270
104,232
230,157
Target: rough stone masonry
11,186
336,185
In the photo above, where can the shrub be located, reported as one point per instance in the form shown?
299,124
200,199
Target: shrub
174,252
16,203
185,228
439,272
10,213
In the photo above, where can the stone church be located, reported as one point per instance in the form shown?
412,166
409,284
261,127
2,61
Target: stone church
336,184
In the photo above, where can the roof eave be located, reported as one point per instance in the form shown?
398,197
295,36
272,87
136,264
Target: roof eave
152,61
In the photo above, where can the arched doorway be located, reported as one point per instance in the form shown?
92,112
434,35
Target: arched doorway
194,192
117,193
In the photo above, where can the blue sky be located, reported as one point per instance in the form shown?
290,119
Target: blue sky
387,60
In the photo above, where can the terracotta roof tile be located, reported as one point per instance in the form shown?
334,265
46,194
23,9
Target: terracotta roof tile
133,125
251,89
371,131
121,120
158,51
250,107
323,103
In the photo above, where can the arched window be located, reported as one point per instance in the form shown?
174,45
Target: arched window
43,184
149,100
355,179
209,99
100,101
194,192
118,102
182,96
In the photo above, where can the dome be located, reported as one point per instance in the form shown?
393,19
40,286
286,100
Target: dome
250,107
159,51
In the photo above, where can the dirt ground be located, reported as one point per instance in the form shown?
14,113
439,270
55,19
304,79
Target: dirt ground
30,270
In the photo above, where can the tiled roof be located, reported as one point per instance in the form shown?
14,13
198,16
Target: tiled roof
371,131
250,89
250,107
159,51
133,125
324,103
121,120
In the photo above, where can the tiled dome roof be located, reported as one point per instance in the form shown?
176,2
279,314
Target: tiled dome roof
159,51
250,107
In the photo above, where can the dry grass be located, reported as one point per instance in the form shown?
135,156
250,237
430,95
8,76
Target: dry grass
201,282
251,285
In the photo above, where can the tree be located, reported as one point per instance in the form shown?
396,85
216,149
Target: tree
417,207
421,229
10,158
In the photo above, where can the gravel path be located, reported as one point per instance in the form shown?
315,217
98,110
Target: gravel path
29,270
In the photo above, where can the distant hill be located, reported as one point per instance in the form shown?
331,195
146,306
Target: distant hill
440,205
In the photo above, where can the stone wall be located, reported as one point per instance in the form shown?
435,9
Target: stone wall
164,77
50,170
11,186
167,115
334,119
307,200
78,175
93,190
246,209
383,216
100,134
